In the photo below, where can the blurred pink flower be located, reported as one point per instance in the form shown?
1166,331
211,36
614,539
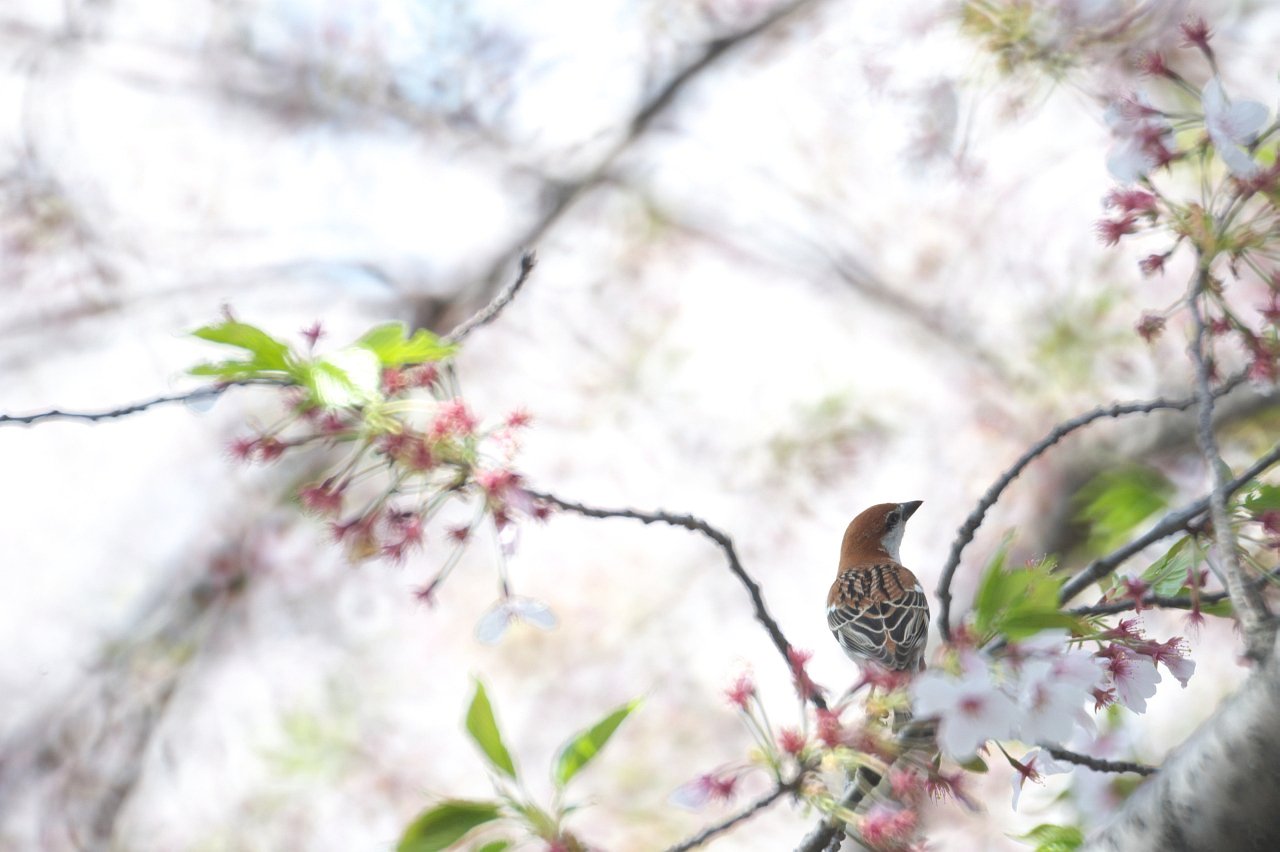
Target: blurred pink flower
971,709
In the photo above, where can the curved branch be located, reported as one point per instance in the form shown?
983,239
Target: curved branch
1099,764
712,831
965,534
1170,524
696,524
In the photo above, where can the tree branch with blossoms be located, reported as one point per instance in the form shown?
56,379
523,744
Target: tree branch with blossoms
992,495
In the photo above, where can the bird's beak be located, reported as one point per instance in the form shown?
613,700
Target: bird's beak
909,509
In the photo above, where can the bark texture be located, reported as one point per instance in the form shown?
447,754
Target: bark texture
1220,790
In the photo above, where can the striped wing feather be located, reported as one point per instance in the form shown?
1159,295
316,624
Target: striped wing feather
880,613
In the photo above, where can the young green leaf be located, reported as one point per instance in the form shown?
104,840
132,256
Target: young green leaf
494,846
1116,501
993,590
1263,498
1169,573
440,827
394,348
344,378
268,352
484,730
1054,838
585,745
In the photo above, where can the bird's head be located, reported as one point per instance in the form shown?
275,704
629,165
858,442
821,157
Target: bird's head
876,533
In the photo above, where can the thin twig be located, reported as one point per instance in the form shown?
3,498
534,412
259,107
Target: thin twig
1251,609
712,831
487,314
94,416
1166,602
1099,764
970,526
696,524
1168,525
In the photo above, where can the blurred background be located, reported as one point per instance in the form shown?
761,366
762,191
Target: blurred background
795,258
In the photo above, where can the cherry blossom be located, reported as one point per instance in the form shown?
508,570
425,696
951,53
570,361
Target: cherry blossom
1232,126
1034,765
971,709
1134,676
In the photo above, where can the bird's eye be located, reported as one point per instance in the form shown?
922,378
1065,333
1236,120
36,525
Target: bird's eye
892,519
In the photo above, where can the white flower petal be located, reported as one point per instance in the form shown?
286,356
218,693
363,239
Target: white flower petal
493,624
535,612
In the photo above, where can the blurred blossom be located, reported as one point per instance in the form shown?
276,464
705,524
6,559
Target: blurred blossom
971,709
494,623
705,789
1050,702
1141,133
1232,126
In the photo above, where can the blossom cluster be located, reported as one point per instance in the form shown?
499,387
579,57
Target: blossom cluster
404,445
1229,145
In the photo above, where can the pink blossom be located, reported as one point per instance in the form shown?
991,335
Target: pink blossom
742,691
885,826
791,741
1173,655
705,789
971,709
1134,676
1034,765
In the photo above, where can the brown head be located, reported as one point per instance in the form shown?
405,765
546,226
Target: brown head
875,535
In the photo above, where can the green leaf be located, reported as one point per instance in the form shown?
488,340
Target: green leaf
585,745
440,827
1020,602
1022,625
1263,498
1168,574
484,730
1117,501
494,846
1054,838
391,343
268,352
975,764
993,589
347,377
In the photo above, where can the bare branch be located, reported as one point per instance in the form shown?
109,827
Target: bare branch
209,392
487,314
1255,620
1168,525
696,524
970,526
1099,764
712,831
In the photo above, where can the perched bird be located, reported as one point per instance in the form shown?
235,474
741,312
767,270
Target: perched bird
877,609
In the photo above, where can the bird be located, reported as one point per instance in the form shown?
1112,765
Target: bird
877,609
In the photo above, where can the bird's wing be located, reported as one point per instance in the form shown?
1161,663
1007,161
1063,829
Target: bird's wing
879,612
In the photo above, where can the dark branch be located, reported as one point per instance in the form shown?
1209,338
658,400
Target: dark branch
970,526
94,416
1251,609
712,831
695,524
487,314
1099,764
1170,524
1166,602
